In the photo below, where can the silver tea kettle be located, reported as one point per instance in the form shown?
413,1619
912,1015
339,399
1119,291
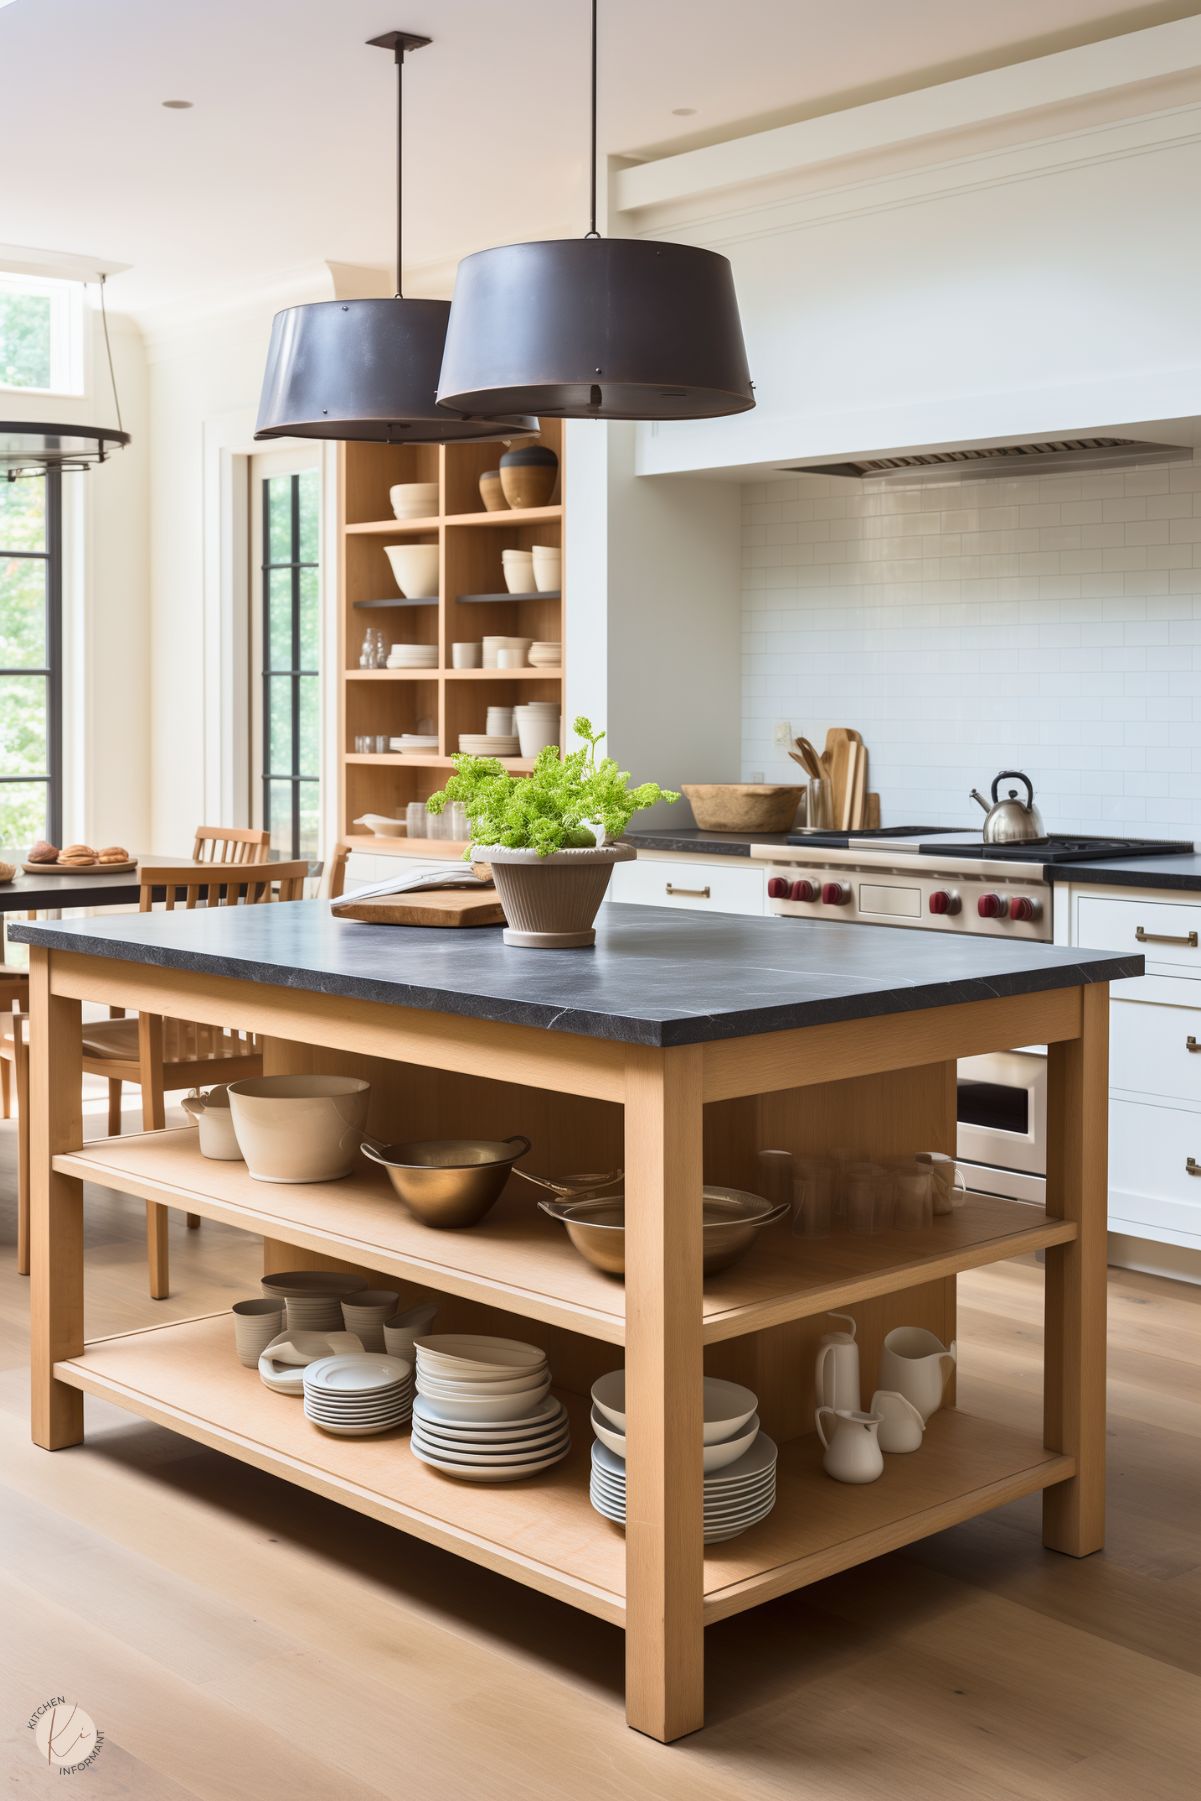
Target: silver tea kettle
1011,821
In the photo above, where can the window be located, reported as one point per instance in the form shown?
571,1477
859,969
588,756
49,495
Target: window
30,660
290,660
41,335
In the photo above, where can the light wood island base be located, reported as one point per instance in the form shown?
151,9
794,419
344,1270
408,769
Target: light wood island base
884,1085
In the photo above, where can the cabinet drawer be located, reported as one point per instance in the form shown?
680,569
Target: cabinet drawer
1156,1050
1170,930
729,887
1149,1180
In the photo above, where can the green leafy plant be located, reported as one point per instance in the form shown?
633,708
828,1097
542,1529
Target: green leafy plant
554,808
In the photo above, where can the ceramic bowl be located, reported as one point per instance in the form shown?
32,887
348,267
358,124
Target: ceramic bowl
742,806
449,1182
528,475
299,1128
518,569
414,500
731,1220
477,1353
215,1123
728,1407
548,567
491,492
415,567
715,1456
494,1407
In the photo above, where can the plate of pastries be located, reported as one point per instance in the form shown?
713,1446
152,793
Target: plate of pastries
78,859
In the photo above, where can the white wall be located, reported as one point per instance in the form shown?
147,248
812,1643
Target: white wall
106,601
1050,624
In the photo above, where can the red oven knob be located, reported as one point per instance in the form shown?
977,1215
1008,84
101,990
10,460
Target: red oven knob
777,888
835,894
1023,907
943,902
992,906
803,891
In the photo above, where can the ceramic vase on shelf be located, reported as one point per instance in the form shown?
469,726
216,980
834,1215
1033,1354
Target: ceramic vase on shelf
914,1363
852,1444
837,1369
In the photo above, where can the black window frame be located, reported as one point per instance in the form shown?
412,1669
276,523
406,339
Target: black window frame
295,672
52,557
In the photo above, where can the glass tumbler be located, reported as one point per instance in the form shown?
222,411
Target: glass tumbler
913,1205
868,1193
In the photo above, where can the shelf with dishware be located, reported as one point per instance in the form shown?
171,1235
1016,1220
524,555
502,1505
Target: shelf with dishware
543,1532
518,1259
510,638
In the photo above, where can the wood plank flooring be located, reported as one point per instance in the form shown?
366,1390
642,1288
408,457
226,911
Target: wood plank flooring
232,1636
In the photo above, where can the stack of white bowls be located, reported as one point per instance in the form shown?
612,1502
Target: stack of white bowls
413,656
414,500
499,722
537,725
314,1297
415,744
494,645
484,1411
546,653
358,1394
487,744
547,568
518,566
739,1460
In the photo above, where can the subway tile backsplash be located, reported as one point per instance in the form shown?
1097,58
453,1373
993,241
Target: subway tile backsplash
1050,623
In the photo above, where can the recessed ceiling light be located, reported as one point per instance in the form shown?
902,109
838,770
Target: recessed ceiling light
682,112
178,106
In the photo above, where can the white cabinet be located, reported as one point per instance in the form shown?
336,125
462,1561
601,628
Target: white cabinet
726,885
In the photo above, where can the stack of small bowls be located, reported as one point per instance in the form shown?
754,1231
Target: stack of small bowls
517,647
547,564
537,725
518,567
484,1411
357,1394
546,653
414,500
314,1297
739,1460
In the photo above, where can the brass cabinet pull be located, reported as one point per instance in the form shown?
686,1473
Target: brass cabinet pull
1192,1166
1190,1043
1145,937
690,893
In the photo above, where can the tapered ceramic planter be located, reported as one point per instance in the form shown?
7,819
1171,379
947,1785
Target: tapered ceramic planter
551,902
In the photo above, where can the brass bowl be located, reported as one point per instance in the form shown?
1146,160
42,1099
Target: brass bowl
730,1221
449,1182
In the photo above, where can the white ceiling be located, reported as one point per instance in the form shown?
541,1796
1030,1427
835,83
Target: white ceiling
286,158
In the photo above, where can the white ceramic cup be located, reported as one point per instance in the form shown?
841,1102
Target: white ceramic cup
256,1323
466,655
364,1314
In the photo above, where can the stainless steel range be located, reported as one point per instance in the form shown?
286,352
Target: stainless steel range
931,878
949,881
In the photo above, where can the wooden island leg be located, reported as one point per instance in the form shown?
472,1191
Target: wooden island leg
665,1654
56,1224
1078,1189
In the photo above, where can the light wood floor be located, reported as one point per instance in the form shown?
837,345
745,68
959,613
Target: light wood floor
234,1637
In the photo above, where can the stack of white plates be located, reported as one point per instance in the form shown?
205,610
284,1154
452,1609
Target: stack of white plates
413,656
736,1497
415,743
314,1297
484,1411
358,1394
493,645
482,744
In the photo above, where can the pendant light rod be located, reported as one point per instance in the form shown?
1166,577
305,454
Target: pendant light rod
399,42
592,231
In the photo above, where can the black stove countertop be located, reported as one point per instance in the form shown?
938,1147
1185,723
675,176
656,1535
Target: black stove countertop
1181,872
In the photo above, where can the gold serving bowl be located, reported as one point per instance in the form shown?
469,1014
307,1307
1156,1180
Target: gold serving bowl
731,1220
449,1182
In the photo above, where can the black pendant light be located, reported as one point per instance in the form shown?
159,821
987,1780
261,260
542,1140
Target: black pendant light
596,328
368,369
29,449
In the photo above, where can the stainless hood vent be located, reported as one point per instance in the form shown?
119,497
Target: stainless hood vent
1002,459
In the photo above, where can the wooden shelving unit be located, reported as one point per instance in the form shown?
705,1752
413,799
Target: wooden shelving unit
471,603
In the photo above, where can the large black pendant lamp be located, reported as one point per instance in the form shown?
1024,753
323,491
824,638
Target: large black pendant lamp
596,328
368,369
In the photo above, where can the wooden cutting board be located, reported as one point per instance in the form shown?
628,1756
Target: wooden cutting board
433,907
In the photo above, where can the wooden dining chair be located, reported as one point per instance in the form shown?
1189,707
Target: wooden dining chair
161,1055
230,844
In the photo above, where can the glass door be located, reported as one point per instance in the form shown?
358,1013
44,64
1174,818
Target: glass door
285,650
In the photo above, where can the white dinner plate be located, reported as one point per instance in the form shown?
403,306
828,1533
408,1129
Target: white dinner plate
442,1414
761,1456
475,1473
483,1460
359,1413
337,1431
714,1532
449,1436
357,1373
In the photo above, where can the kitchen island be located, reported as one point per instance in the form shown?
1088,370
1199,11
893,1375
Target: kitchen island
678,1046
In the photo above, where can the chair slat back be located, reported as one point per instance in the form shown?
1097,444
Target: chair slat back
241,885
230,844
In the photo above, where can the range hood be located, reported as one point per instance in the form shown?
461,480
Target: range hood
1042,457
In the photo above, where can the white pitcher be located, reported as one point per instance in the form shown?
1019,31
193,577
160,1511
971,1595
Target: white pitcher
914,1363
836,1374
852,1449
901,1425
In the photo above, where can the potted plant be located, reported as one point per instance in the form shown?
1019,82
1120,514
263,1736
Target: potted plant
551,839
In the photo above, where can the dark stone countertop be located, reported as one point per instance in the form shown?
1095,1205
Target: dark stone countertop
712,844
656,975
1183,872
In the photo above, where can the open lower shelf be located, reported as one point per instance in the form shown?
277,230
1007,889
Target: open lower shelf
543,1531
519,1260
